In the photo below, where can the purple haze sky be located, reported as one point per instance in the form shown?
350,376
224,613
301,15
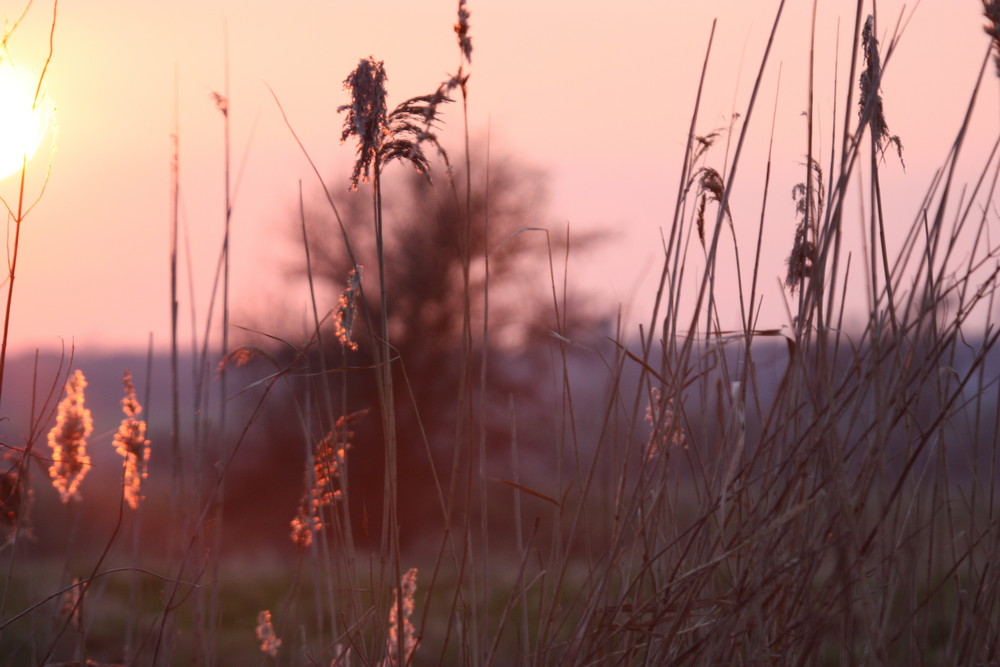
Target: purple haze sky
597,94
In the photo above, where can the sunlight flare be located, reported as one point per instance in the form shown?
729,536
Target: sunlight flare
24,120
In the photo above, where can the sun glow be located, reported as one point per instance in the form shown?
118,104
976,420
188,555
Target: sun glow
24,120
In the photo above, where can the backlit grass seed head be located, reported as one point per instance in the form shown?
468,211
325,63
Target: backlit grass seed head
409,588
269,642
241,356
870,101
343,319
15,498
70,607
131,443
10,502
303,527
329,458
710,186
412,124
809,209
662,419
991,8
462,30
738,417
221,102
702,144
366,115
801,260
68,440
383,137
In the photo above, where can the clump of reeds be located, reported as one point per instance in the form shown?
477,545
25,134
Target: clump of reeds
131,443
68,440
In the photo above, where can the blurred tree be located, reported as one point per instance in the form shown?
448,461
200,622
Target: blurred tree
437,400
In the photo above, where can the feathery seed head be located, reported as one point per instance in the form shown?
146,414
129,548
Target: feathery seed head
664,425
809,200
343,319
303,527
366,115
703,144
329,458
15,498
241,356
383,137
68,440
711,182
409,588
131,443
801,260
870,101
221,102
710,186
70,607
462,30
269,642
413,123
991,8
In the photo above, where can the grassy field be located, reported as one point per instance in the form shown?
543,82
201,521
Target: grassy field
823,493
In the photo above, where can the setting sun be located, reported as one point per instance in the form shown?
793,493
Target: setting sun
23,121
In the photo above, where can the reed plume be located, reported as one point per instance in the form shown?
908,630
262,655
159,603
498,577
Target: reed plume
329,457
381,136
131,443
665,427
269,641
15,499
70,607
68,440
366,115
991,8
710,186
407,589
343,320
871,108
462,30
809,201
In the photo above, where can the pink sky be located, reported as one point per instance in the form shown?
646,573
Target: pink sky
597,94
